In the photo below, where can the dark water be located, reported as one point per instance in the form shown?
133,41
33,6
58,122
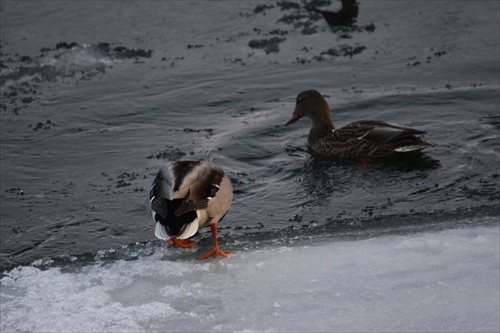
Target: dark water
95,96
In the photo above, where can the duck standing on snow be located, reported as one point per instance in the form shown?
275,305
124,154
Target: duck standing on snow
360,139
186,196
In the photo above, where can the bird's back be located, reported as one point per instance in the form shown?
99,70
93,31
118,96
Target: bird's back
367,138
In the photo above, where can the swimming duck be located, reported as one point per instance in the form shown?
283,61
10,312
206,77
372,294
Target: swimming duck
360,139
186,196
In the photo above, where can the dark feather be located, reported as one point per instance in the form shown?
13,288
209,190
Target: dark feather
165,214
181,169
161,186
207,185
189,206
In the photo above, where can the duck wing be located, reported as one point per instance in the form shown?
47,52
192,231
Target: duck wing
369,138
200,186
378,131
164,203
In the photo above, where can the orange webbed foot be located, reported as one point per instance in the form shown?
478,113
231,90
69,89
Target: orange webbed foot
184,243
216,252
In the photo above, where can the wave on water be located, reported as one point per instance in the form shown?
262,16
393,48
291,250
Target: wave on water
22,77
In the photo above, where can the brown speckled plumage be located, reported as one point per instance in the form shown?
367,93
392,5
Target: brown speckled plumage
360,139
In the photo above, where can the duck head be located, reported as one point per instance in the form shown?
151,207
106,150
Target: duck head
311,104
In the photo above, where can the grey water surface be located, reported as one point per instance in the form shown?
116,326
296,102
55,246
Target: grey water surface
96,95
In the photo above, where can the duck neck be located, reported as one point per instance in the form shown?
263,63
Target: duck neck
319,130
322,122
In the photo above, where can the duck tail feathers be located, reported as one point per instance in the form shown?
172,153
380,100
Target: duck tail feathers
161,232
414,148
189,230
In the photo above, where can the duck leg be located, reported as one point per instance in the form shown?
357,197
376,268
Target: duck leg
215,250
184,243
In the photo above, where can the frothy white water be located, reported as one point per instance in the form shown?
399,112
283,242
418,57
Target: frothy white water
433,281
85,57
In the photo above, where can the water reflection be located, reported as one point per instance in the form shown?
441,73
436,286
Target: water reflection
347,189
344,17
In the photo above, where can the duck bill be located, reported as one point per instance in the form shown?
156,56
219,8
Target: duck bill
296,116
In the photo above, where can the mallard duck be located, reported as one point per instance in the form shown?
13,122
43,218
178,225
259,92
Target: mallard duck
360,139
186,196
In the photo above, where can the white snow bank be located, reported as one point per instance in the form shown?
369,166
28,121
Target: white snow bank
434,281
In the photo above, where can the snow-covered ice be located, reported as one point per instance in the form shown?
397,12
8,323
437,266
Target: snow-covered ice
428,281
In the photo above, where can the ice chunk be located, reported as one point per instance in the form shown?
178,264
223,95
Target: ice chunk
433,281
